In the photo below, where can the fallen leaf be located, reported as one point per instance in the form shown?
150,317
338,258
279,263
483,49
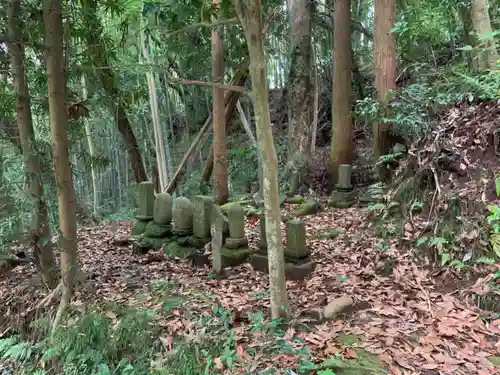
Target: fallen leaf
218,363
240,350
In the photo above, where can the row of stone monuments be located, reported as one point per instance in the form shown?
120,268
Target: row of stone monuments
183,228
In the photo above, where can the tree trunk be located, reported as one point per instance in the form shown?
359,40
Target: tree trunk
482,25
249,14
314,126
384,46
231,98
40,230
221,192
56,73
161,159
341,147
468,38
93,171
131,144
300,90
109,83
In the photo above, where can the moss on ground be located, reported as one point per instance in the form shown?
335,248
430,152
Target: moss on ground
173,249
365,362
494,360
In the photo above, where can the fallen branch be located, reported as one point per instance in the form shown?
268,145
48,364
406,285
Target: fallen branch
173,182
5,332
240,89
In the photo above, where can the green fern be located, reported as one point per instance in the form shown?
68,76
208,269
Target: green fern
19,352
495,242
6,344
486,260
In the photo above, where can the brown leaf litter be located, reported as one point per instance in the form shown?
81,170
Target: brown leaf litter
403,318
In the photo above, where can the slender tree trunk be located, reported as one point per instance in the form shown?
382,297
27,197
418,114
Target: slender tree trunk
231,98
93,171
482,25
56,73
249,14
170,137
384,46
131,144
341,147
314,126
109,83
469,37
161,159
300,89
40,230
221,192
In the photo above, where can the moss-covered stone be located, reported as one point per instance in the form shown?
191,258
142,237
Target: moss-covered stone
297,272
366,200
340,203
145,200
342,199
202,210
163,208
234,257
296,240
294,183
157,230
329,233
173,249
235,243
192,241
149,243
296,199
309,207
236,220
344,177
139,227
182,214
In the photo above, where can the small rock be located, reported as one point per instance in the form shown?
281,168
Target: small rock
337,306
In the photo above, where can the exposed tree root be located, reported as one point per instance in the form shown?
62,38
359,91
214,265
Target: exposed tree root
51,297
65,299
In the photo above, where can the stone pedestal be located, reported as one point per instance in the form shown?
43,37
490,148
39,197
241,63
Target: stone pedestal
182,229
202,211
343,195
298,265
235,250
145,198
159,231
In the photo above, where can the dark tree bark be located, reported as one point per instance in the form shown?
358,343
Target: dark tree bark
341,148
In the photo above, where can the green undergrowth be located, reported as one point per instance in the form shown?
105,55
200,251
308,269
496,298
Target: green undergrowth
364,363
151,336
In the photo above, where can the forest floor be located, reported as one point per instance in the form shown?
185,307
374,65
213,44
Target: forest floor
403,322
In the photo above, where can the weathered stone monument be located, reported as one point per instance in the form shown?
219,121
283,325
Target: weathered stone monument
202,212
158,232
235,250
217,233
298,265
145,198
182,229
343,195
